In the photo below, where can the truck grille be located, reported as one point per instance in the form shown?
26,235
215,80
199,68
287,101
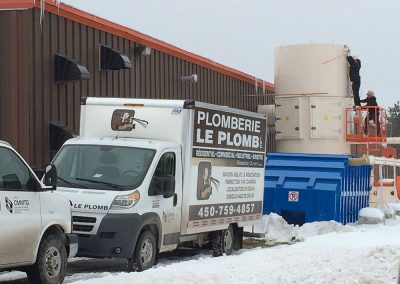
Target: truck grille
83,224
83,219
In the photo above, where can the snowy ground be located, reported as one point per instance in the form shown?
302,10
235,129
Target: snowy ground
324,252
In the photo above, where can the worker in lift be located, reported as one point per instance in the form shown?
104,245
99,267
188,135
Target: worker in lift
354,74
373,113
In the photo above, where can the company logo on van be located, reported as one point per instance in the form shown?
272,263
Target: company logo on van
9,205
176,111
124,120
90,206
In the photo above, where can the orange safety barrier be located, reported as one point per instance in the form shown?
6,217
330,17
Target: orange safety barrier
366,124
386,183
389,152
398,186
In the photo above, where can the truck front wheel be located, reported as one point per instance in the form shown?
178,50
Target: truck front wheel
51,262
145,252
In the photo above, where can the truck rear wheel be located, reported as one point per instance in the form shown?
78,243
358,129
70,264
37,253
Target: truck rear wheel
222,242
144,256
51,262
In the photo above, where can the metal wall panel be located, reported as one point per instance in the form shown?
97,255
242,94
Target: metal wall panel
30,98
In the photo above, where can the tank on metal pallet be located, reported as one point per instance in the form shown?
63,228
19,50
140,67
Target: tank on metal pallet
315,187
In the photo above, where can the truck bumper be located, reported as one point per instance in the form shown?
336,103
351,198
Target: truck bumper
73,244
116,237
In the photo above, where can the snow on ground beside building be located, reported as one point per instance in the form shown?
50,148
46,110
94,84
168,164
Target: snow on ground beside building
327,253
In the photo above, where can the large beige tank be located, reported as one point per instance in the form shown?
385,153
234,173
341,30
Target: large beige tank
312,94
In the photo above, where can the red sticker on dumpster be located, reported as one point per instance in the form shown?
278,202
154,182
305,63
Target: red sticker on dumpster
293,196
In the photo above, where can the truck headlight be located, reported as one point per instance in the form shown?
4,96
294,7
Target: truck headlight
125,201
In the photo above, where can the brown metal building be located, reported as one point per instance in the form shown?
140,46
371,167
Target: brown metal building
30,96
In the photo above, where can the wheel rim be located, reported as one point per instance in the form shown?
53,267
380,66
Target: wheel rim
53,262
227,240
146,252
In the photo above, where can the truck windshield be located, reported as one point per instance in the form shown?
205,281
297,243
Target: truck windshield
102,167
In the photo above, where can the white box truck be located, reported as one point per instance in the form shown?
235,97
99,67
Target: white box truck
146,176
35,231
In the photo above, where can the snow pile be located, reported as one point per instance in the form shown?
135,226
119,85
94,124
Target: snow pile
13,275
386,209
321,228
371,213
276,229
395,206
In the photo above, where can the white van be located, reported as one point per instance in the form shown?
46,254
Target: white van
148,175
35,231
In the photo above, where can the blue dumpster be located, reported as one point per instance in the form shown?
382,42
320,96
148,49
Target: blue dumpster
315,187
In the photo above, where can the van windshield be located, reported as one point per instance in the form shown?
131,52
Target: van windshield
102,167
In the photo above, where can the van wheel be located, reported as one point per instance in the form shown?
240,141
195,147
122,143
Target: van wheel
222,242
145,252
51,262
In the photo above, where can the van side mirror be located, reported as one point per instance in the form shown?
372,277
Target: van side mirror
50,176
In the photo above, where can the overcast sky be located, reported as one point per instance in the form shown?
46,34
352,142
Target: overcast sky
244,33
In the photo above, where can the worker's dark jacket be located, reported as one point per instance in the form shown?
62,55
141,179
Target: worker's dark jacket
354,72
371,101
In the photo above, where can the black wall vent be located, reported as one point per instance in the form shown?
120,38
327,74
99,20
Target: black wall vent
58,134
66,69
111,59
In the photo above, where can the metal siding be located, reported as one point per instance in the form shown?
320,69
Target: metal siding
37,111
45,95
8,45
31,81
24,80
95,51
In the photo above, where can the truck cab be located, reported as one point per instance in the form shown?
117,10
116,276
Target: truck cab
35,231
117,187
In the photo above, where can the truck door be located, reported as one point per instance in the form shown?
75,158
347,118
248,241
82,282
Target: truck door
170,208
20,222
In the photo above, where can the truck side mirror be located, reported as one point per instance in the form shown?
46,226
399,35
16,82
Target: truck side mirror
169,186
50,176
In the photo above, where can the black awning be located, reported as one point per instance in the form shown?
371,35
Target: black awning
112,59
66,69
